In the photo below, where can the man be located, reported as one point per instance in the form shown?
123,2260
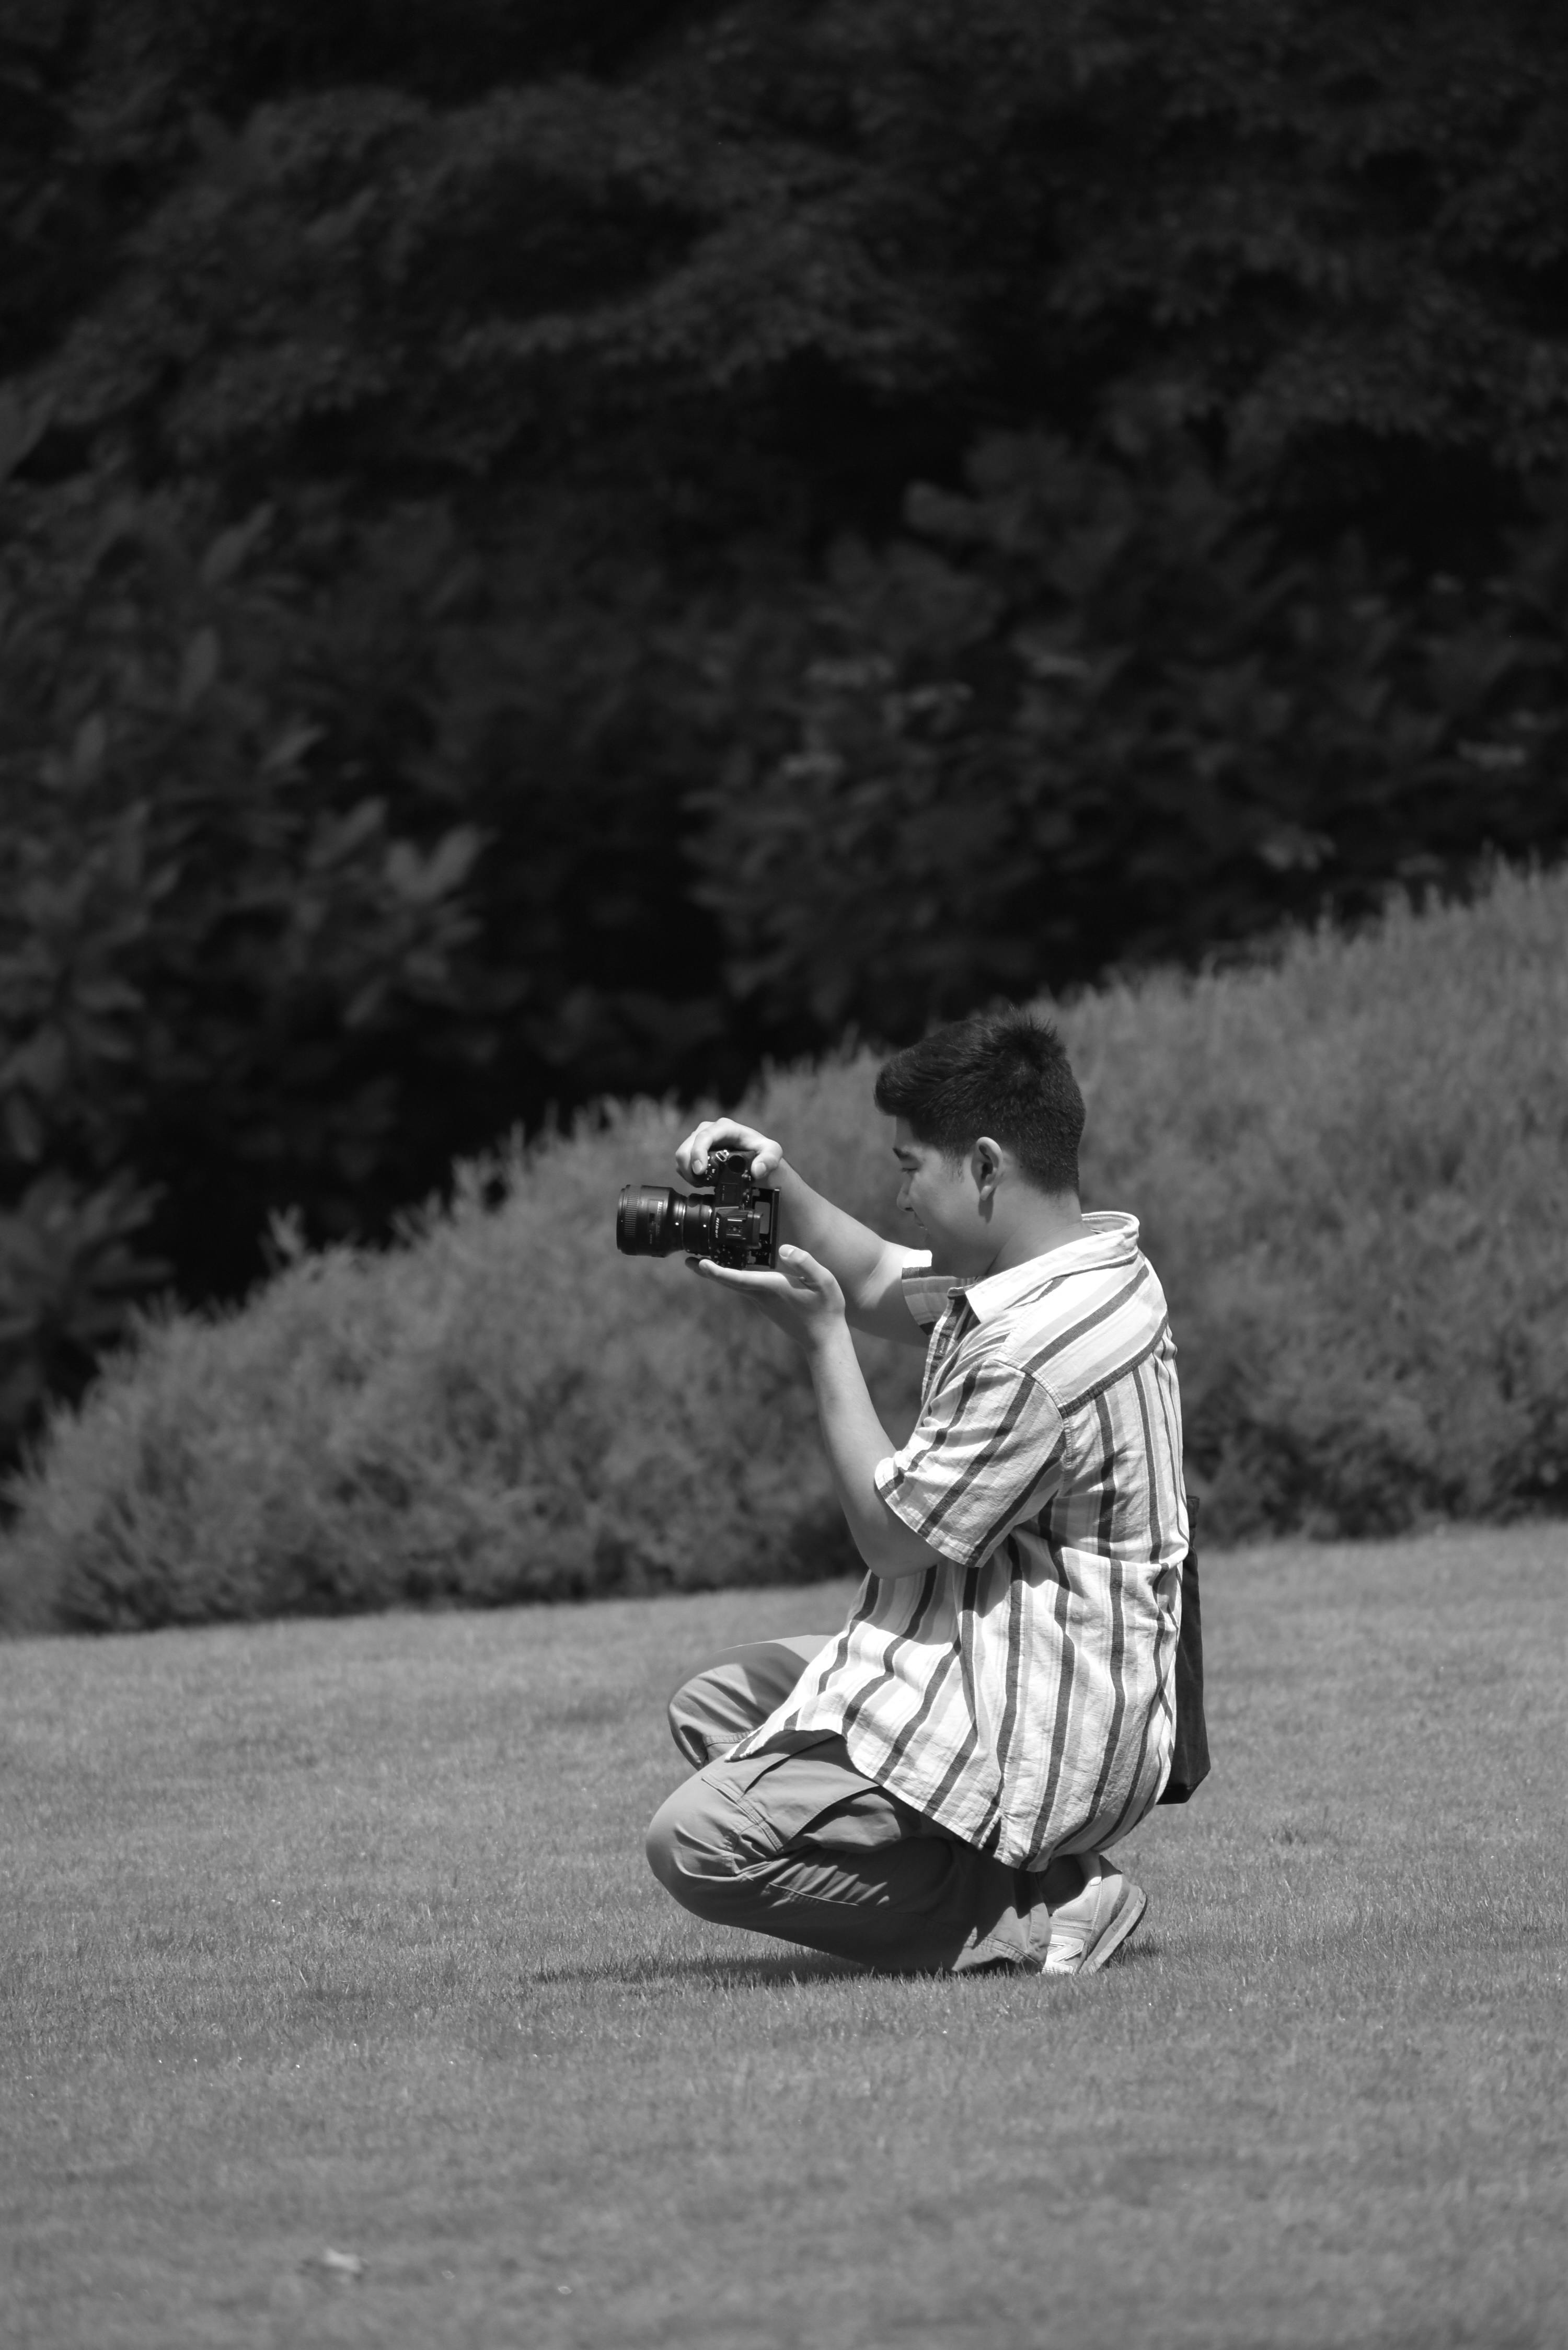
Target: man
937,1787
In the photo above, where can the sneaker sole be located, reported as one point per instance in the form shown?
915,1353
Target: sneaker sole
1122,1921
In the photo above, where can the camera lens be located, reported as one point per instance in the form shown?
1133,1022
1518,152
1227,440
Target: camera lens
653,1221
642,1220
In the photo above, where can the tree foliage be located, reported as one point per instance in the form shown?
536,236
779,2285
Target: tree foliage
557,550
1089,711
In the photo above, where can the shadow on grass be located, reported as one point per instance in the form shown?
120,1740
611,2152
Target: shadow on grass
761,1974
808,1967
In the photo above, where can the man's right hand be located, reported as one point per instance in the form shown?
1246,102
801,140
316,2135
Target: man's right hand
728,1134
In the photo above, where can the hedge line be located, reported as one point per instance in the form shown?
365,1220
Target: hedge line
1352,1174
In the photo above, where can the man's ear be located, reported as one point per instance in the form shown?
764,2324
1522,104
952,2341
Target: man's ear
985,1161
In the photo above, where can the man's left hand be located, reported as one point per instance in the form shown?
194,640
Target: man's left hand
802,1296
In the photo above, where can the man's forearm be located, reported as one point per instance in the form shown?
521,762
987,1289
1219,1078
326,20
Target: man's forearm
850,1249
855,1441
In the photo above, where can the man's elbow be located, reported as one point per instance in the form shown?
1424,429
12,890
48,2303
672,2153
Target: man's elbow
890,1548
865,1299
868,1303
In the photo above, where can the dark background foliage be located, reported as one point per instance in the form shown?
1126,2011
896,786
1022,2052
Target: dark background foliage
559,550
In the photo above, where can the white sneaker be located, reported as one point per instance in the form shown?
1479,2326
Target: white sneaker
1086,1930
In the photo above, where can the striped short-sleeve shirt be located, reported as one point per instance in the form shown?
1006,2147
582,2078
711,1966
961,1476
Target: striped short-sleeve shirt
1021,1694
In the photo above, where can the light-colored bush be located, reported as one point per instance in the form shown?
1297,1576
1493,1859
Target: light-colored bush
1351,1170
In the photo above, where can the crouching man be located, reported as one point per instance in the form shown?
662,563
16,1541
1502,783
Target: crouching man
939,1786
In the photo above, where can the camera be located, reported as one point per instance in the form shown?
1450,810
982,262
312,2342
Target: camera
736,1223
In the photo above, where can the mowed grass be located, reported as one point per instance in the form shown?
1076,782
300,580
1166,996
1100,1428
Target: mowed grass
338,1935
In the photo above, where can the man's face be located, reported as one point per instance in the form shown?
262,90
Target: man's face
941,1196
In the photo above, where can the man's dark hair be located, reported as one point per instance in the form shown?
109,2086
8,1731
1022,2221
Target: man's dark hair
1002,1073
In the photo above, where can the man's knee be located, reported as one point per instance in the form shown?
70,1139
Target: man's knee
663,1840
687,1714
715,1708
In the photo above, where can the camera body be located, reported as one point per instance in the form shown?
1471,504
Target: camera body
735,1223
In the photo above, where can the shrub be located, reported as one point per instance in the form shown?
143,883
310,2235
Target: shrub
1350,1167
501,1407
1352,1175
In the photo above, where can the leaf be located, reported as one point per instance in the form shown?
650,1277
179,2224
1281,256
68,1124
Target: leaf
43,1063
363,1006
200,667
291,746
87,749
23,1128
337,843
421,881
451,859
22,427
231,548
103,996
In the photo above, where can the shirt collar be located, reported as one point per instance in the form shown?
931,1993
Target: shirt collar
1108,1238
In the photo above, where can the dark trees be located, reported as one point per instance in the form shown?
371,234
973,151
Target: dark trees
551,550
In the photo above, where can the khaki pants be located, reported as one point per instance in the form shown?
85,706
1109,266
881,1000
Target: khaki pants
797,1843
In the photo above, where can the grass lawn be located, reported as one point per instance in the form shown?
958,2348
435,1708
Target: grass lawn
338,1935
